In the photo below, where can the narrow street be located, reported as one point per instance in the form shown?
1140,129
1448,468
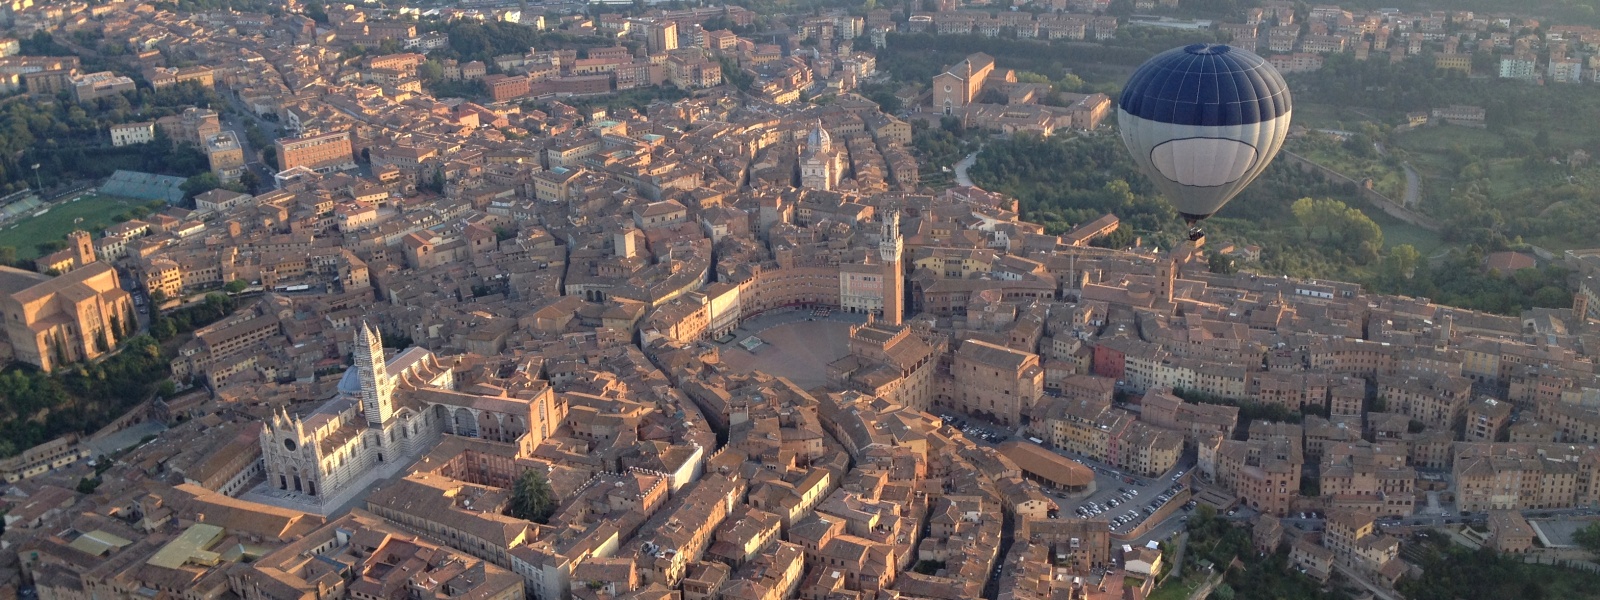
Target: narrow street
991,588
1352,576
235,121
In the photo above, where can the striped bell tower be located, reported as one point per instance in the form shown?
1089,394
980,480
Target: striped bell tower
377,388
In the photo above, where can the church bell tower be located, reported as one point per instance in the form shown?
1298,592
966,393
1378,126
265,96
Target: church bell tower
377,388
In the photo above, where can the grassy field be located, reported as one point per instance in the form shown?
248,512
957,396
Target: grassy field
1442,139
1329,116
90,213
1396,232
1177,589
1387,180
1436,153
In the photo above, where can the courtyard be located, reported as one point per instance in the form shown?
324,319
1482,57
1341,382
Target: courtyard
796,344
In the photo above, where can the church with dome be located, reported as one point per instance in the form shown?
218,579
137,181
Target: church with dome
387,412
821,164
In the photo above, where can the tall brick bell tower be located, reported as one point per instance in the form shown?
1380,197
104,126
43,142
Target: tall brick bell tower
890,247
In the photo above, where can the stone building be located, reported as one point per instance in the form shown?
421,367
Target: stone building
995,381
821,165
959,85
53,321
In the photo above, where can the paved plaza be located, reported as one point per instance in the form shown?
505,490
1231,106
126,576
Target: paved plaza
792,346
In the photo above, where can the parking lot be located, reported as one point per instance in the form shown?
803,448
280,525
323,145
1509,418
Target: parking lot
976,429
1126,504
1116,493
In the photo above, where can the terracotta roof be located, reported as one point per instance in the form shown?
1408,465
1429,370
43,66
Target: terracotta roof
1049,465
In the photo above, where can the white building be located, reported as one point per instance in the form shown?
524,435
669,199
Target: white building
1518,67
385,415
1565,71
133,133
821,164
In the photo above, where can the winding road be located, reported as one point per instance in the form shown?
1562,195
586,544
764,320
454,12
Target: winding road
1413,181
961,169
1413,186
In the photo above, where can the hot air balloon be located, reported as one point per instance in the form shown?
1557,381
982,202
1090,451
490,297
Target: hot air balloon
1202,121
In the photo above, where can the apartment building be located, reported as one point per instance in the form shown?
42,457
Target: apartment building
193,125
678,537
1505,476
133,133
1487,418
1369,478
1519,67
225,156
323,153
1263,473
1435,400
1579,424
42,458
1354,540
90,86
1091,427
217,343
1196,421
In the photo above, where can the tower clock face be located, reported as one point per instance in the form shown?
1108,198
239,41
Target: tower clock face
290,444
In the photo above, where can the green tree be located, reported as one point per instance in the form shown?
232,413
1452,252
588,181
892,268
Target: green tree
200,184
531,497
250,181
235,286
731,73
430,71
1221,264
130,323
1401,263
1588,538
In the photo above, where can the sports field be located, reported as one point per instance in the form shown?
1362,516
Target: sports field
89,212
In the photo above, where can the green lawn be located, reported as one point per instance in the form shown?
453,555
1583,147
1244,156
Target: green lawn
94,211
1443,138
1387,180
1329,116
1176,589
1396,232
